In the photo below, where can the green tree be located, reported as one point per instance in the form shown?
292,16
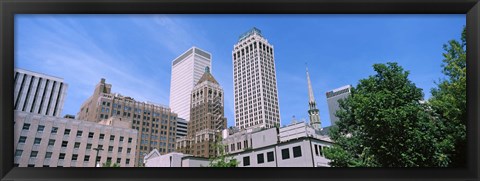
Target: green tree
449,100
221,159
383,123
110,164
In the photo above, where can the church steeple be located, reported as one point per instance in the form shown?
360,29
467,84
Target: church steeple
313,111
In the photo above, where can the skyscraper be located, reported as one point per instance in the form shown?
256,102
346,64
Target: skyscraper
332,99
206,118
156,124
38,93
186,71
313,112
255,82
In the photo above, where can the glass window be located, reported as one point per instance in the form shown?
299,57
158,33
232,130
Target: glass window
121,138
316,149
26,126
129,140
285,154
74,157
102,136
77,145
110,148
90,135
260,158
54,130
40,128
67,132
51,142
37,141
86,158
79,133
128,150
22,139
297,151
120,149
64,143
112,137
89,146
18,152
246,161
48,155
34,154
119,160
321,150
61,156
127,161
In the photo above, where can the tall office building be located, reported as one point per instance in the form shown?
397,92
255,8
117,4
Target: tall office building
206,118
186,71
156,124
255,82
182,126
38,93
332,100
313,112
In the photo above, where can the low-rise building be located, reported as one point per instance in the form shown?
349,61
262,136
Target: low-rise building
174,159
50,141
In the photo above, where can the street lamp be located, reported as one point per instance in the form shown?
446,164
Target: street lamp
96,158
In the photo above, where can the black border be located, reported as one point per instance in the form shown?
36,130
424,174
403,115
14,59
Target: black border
8,8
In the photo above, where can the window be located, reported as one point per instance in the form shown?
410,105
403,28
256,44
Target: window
74,157
22,139
77,145
18,152
321,149
34,154
239,145
120,149
64,143
128,150
40,128
89,146
127,161
316,149
90,135
37,141
61,156
260,158
102,136
110,148
112,137
285,154
48,155
246,161
31,165
26,126
270,156
51,142
87,158
67,132
297,151
54,130
119,160
129,140
109,159
100,146
79,133
121,138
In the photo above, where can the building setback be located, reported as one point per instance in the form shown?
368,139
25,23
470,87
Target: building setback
182,126
206,118
186,71
48,141
255,82
38,93
333,97
156,124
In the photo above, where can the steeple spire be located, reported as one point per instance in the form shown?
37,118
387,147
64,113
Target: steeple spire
313,111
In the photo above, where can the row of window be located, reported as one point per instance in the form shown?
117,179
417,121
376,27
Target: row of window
61,156
297,152
51,142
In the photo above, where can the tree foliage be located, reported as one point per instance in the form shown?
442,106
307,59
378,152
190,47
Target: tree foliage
384,123
449,99
222,159
110,164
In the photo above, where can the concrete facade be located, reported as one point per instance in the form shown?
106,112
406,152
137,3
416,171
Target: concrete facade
255,82
332,99
47,141
38,93
175,159
187,69
156,124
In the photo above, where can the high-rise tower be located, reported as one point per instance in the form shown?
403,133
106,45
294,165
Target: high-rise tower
186,71
313,111
255,82
333,97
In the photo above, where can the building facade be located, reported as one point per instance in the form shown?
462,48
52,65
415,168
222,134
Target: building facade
332,99
206,118
182,126
154,159
48,141
156,124
38,93
187,69
255,82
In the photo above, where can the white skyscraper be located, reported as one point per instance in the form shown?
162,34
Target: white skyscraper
255,82
38,93
187,69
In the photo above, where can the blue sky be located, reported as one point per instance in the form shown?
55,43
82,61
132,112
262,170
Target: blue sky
134,52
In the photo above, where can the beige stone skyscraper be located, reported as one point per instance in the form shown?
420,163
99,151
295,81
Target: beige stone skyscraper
156,124
206,118
255,82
